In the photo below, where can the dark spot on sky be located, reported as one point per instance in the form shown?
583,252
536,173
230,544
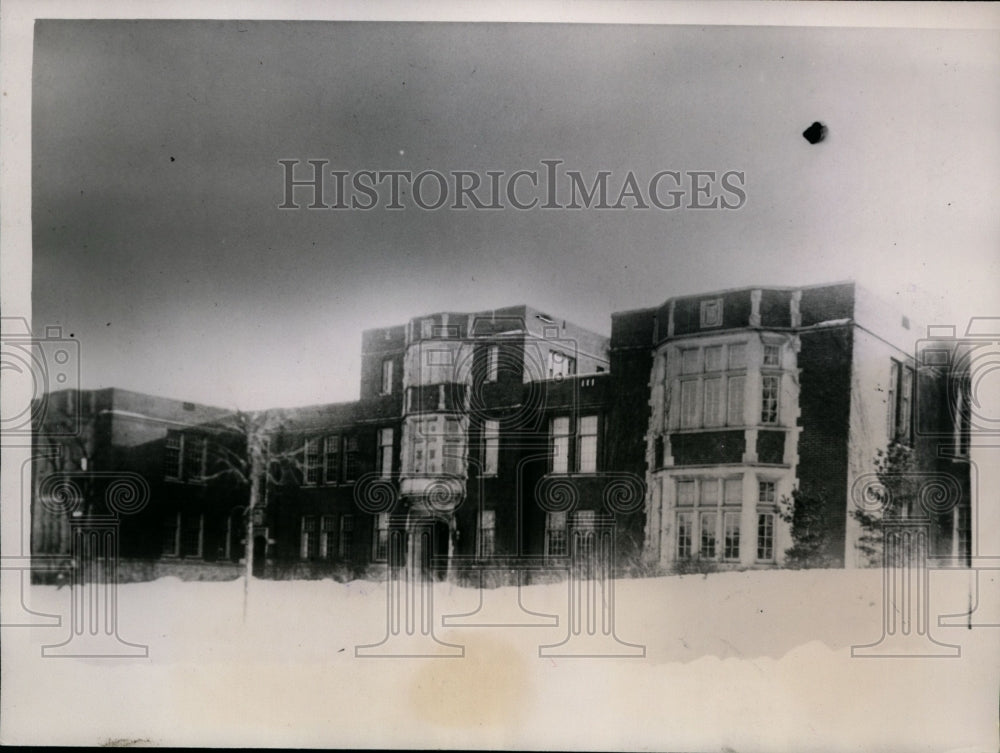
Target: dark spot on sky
171,159
815,133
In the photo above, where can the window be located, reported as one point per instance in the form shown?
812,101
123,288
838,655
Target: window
731,535
491,447
765,536
701,505
689,404
312,461
351,459
904,429
309,541
713,358
711,313
587,445
555,534
901,380
381,543
685,493
385,453
734,491
172,458
559,432
346,533
690,363
772,355
561,365
387,376
765,492
683,535
331,459
195,453
487,533
584,458
327,543
711,395
492,363
894,369
770,387
735,399
708,523
713,402
963,419
192,534
171,528
737,356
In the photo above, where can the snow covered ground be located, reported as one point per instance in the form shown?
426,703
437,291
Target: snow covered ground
740,661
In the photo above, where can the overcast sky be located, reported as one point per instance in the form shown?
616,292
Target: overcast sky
158,242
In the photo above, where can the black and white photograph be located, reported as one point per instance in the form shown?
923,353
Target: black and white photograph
611,376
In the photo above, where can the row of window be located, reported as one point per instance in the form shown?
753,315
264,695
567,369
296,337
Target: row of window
322,538
713,384
709,519
185,457
332,459
722,527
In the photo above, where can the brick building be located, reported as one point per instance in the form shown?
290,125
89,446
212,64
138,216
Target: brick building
504,431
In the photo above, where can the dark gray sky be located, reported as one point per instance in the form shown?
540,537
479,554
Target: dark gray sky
159,245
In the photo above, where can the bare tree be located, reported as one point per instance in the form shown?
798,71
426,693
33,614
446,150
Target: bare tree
254,465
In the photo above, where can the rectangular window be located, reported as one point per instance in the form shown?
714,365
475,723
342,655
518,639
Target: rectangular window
734,409
491,448
559,433
346,536
171,529
586,454
381,543
772,355
487,533
690,363
387,376
765,492
689,404
737,356
331,459
555,534
309,542
685,493
895,367
172,457
492,363
770,387
683,535
713,358
352,460
708,523
904,430
327,543
453,455
710,492
733,491
192,534
731,536
312,461
765,536
713,402
385,453
195,451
